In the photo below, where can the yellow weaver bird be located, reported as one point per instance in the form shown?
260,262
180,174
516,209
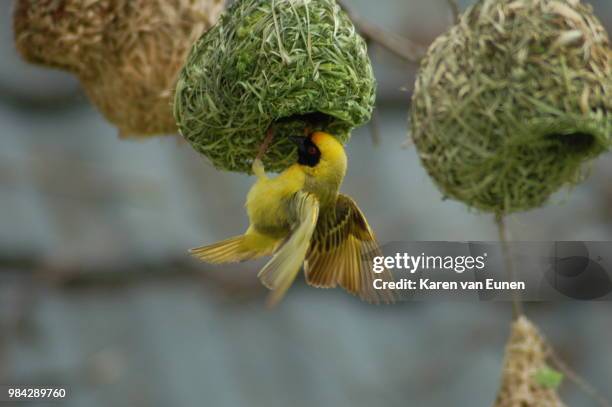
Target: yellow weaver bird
300,218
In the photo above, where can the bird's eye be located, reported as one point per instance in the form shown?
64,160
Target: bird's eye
312,150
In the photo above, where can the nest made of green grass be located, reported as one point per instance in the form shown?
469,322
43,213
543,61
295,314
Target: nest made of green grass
273,64
512,102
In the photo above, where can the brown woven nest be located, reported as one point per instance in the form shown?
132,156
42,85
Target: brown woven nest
524,382
512,102
127,53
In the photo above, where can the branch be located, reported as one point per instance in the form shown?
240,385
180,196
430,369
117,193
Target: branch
397,45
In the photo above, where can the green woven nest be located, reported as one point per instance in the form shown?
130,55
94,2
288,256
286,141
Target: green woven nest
512,102
280,64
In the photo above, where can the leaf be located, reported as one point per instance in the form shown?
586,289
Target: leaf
547,377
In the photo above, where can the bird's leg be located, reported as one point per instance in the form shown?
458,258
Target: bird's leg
258,166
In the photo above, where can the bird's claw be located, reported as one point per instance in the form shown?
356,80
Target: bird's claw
258,168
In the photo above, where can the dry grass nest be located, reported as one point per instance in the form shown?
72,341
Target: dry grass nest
526,354
126,53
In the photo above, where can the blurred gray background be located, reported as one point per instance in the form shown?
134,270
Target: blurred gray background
97,291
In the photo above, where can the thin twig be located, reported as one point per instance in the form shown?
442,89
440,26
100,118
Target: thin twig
266,144
575,378
399,46
517,306
517,309
454,6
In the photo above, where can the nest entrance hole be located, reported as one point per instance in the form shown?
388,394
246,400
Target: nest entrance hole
309,121
574,143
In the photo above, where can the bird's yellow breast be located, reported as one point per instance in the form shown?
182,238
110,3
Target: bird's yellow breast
267,201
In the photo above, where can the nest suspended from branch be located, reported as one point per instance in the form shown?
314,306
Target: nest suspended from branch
280,64
525,360
126,53
512,101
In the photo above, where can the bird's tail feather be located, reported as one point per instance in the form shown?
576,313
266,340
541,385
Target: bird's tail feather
233,250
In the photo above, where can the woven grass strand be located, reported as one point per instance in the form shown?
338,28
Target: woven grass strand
289,64
512,102
126,53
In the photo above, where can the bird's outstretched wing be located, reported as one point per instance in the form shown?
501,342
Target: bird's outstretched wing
278,274
342,251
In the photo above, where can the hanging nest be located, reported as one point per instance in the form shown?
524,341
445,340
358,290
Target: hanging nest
525,360
283,65
126,53
512,101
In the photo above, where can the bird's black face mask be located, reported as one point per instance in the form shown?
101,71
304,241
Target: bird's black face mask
308,153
